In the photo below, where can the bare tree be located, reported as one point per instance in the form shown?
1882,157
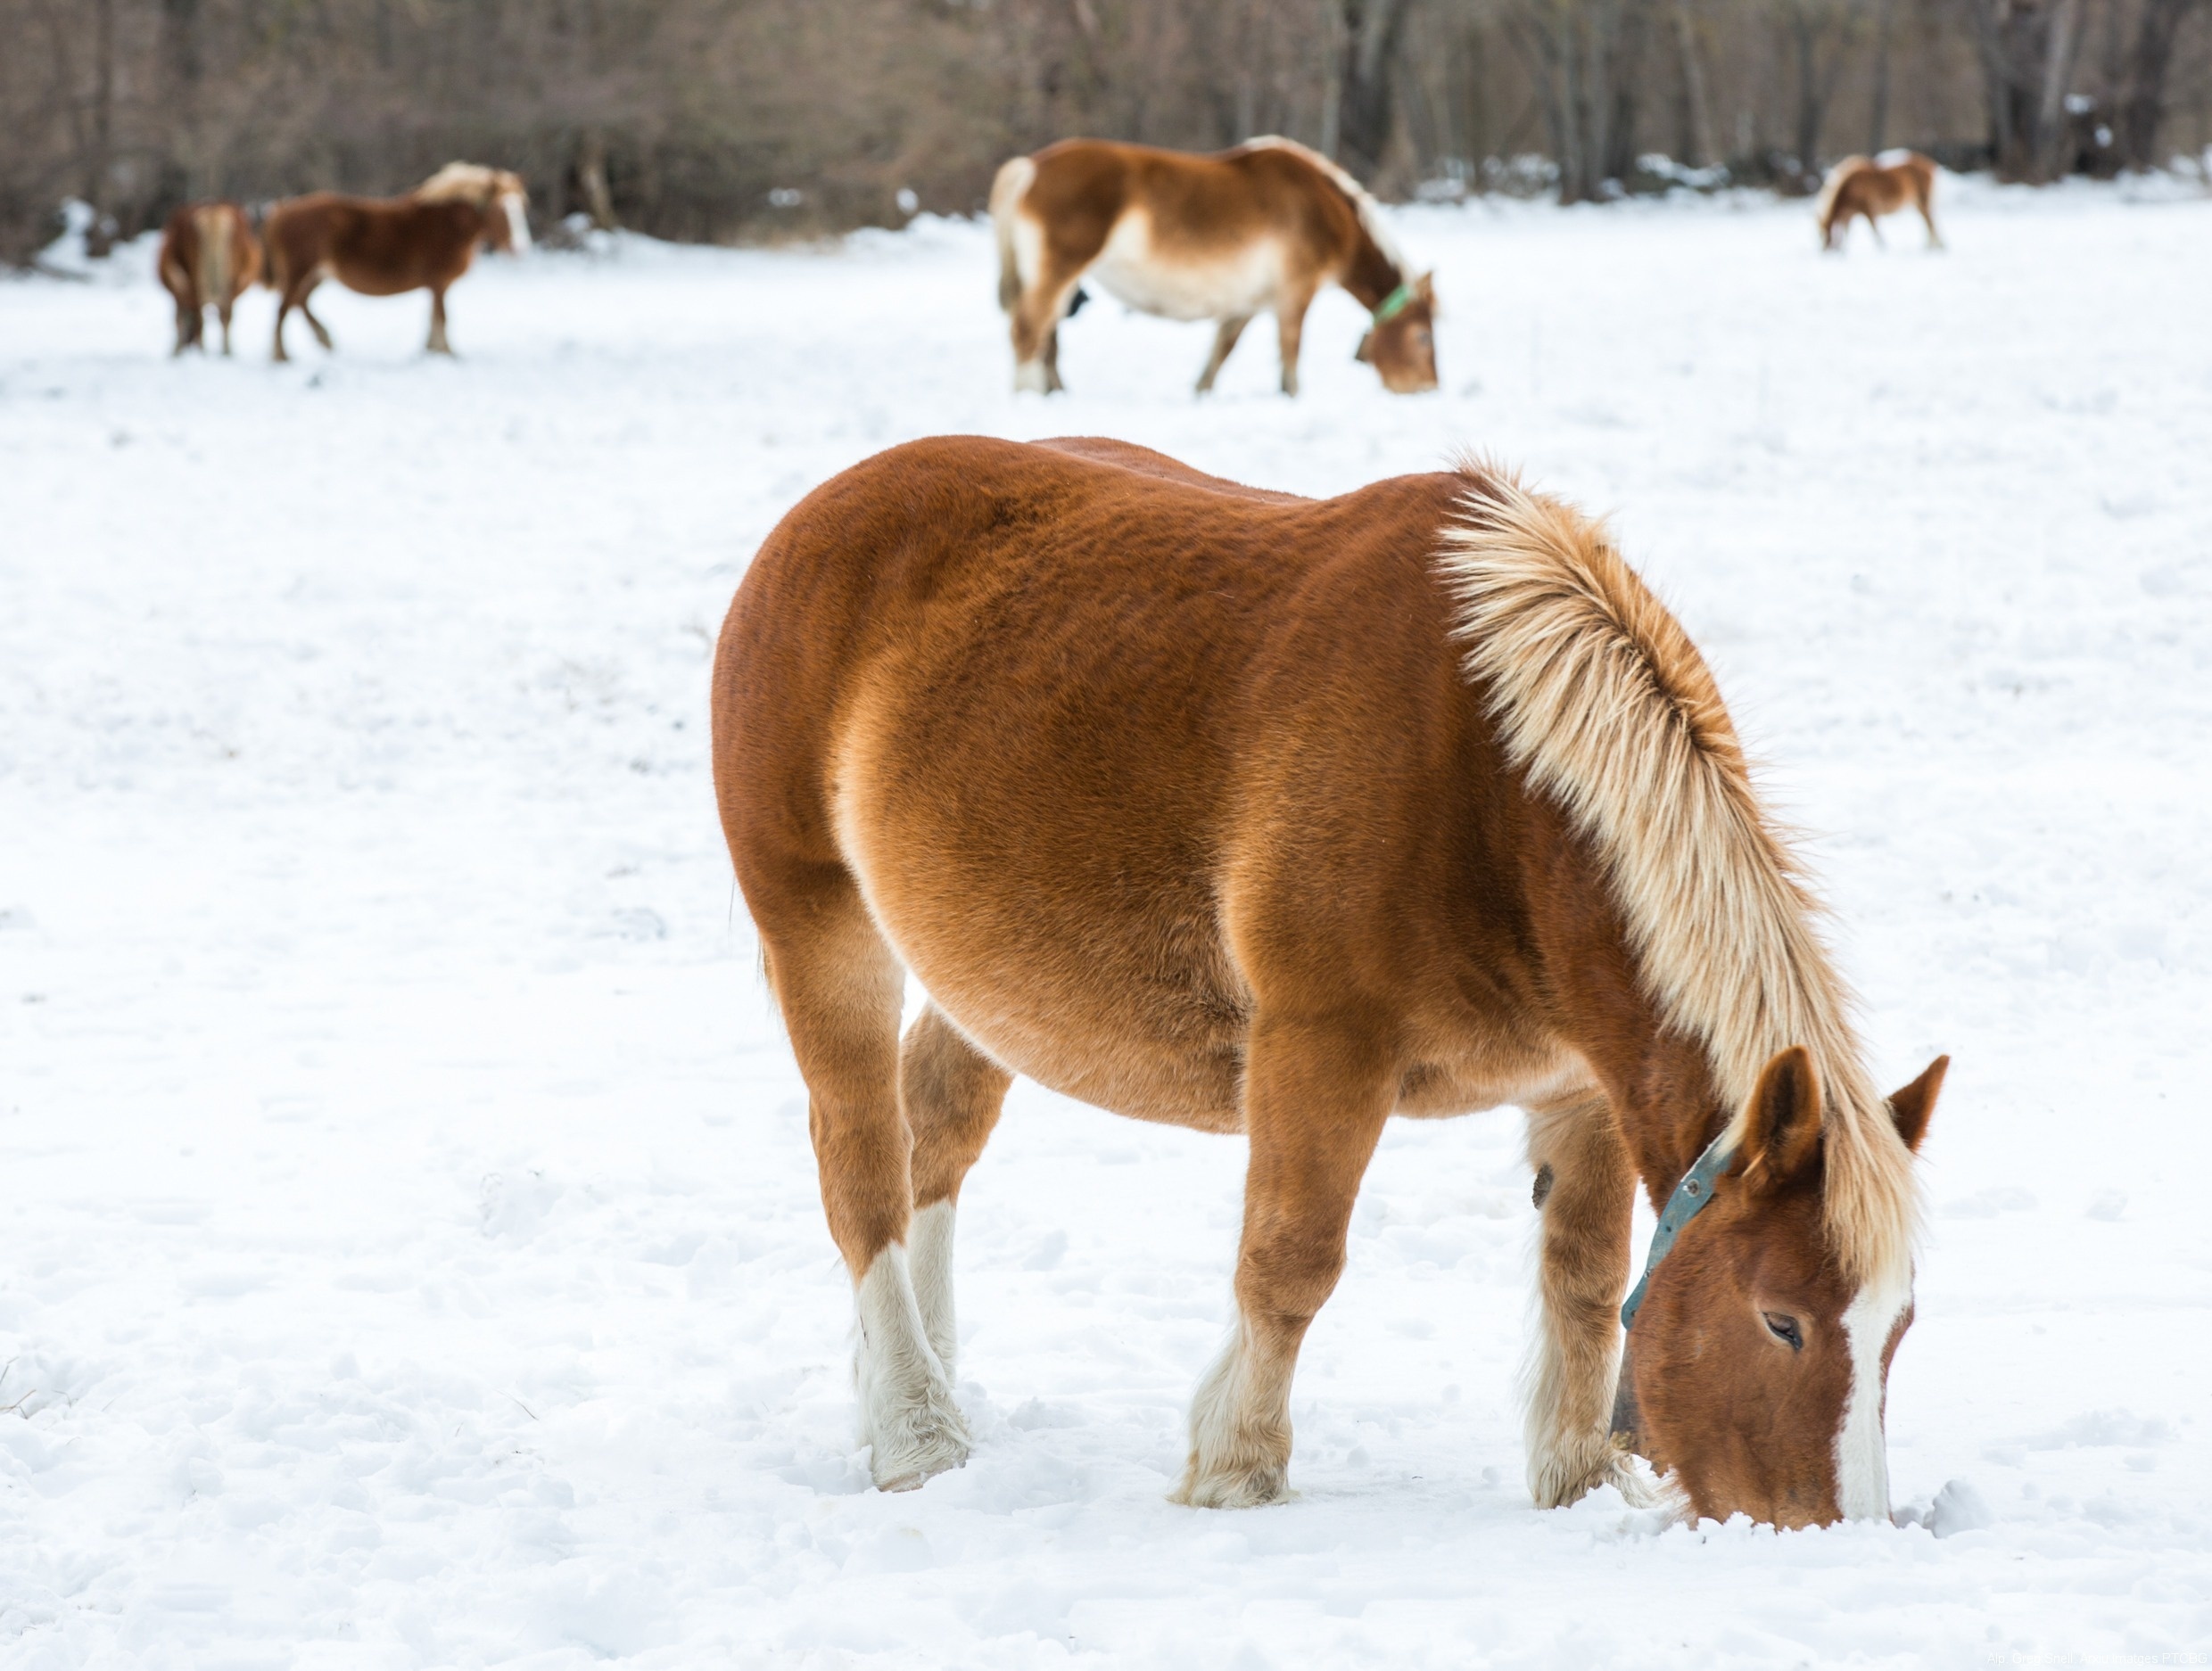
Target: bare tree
2142,94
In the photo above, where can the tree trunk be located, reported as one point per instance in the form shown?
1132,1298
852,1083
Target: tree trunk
1878,123
1696,125
100,155
1371,32
591,178
2142,100
2027,49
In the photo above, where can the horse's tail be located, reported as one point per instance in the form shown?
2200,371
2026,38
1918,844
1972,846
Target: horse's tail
1006,193
211,230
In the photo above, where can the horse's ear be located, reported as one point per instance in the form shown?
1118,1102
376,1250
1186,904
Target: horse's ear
1783,1142
1424,287
1911,1107
1366,350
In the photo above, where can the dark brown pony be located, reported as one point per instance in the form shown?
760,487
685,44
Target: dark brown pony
1252,814
210,258
1259,228
384,246
1857,187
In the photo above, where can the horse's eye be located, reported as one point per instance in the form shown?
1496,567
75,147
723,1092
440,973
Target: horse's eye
1783,1327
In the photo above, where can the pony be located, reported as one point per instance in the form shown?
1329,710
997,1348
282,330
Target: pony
1857,187
1259,227
1253,813
209,258
387,246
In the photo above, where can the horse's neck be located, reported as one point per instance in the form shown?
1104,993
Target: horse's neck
1658,1080
1669,1111
1371,276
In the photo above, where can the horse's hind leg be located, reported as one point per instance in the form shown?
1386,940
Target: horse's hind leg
1586,1190
308,314
222,311
951,1096
438,344
1225,340
1935,238
1316,1097
1037,314
840,989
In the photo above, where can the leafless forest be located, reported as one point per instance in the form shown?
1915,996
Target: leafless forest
754,119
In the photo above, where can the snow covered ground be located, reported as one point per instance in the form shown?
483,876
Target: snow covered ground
411,1250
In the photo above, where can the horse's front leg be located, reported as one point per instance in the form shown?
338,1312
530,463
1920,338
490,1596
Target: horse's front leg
951,1095
1316,1095
438,344
1585,1188
1225,340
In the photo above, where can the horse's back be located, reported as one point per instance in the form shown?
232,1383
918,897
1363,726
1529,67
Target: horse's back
376,245
1193,205
1046,708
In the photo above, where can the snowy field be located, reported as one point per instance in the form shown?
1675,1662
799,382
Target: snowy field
412,1253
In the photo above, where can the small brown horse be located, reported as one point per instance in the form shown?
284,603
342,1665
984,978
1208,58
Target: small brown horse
210,258
386,246
1253,813
1858,186
1259,228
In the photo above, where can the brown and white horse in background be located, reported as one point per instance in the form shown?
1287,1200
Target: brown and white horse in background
1857,187
1256,229
1252,814
386,246
209,258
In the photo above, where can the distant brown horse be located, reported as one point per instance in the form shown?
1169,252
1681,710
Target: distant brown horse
1253,813
1259,228
1857,187
384,246
210,258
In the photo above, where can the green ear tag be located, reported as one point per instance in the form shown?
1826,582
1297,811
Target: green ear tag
1394,304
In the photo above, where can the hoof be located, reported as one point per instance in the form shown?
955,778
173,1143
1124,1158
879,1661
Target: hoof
1560,1481
1248,1489
919,1444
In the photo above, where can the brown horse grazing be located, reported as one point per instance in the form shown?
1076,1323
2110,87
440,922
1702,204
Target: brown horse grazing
1857,187
210,258
384,246
1260,814
1258,228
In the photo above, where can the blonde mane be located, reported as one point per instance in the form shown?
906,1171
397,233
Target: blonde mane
1369,211
466,182
1833,184
1603,701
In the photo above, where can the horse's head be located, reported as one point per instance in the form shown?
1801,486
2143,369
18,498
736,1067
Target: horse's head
507,213
498,192
1401,342
1757,1366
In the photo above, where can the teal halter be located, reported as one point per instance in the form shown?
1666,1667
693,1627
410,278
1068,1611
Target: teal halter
1691,1197
1393,304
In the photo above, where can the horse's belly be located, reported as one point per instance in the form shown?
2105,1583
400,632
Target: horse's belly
1187,284
1039,949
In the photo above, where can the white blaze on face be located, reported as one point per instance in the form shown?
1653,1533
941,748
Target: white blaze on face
1861,1448
517,222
